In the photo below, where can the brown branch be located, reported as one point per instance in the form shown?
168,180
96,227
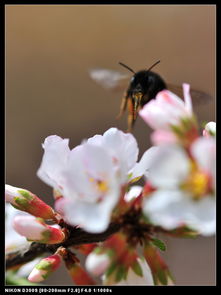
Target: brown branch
77,236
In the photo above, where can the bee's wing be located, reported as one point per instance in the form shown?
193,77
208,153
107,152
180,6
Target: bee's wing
198,97
109,79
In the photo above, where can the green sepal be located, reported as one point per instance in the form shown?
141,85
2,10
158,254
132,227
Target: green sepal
159,244
111,269
46,236
45,276
162,276
120,273
22,203
137,268
186,123
98,250
176,129
184,232
26,194
44,265
16,207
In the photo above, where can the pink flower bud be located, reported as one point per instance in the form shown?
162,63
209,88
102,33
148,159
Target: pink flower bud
34,229
44,268
97,264
26,201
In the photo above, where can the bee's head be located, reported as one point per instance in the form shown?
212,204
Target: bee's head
137,89
138,85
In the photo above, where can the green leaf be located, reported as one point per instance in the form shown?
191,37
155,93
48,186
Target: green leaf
137,269
159,244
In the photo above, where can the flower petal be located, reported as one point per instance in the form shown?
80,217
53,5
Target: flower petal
159,137
166,208
92,217
168,167
56,152
123,147
144,164
204,151
201,216
187,98
133,193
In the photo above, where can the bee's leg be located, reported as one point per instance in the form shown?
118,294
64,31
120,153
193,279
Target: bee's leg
131,116
130,122
123,105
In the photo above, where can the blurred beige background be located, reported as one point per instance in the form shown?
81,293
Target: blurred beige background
49,50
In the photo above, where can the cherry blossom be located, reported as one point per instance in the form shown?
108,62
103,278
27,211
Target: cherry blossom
184,188
90,176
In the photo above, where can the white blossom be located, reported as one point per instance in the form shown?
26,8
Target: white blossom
182,195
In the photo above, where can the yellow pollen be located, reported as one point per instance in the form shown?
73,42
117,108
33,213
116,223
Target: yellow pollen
101,185
197,184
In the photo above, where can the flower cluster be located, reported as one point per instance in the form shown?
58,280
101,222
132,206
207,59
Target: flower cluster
182,170
94,195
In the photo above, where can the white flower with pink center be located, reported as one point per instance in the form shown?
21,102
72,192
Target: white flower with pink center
185,189
90,176
122,147
91,189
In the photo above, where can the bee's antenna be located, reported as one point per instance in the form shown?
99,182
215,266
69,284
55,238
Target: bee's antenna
120,63
153,65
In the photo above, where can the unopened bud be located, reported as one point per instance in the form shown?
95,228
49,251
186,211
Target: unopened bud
210,129
44,268
97,264
26,201
34,229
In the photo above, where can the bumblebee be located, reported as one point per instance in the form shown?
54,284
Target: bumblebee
143,86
